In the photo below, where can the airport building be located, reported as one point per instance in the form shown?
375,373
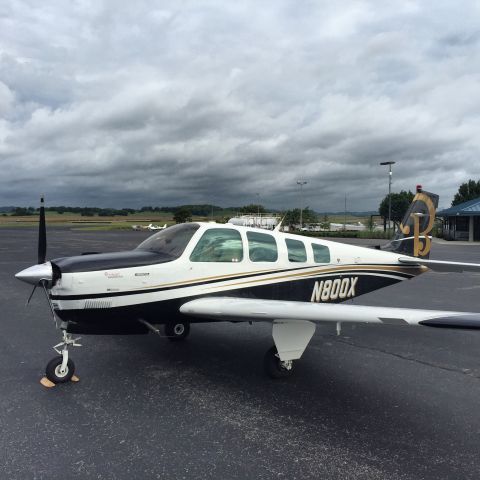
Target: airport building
462,222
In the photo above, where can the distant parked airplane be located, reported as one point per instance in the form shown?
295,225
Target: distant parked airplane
156,227
148,227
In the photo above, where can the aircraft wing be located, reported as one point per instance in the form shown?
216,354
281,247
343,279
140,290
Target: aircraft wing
441,266
249,309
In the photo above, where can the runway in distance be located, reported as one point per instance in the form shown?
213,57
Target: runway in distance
203,272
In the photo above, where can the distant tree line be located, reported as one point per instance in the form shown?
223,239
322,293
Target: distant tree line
467,191
400,203
292,217
20,211
252,208
91,211
201,210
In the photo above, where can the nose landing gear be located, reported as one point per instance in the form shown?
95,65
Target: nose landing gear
61,369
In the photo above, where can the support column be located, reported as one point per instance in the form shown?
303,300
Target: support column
470,229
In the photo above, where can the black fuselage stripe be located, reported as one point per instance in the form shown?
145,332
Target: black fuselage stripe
195,284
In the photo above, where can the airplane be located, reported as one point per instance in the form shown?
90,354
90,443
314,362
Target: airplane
156,227
203,272
149,227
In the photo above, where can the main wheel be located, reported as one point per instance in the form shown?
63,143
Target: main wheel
274,367
54,373
177,331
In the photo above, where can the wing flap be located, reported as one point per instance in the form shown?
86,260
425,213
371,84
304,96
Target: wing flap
248,309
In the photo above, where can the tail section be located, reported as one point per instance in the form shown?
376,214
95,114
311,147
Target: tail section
412,237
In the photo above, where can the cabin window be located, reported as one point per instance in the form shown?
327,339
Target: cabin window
171,242
262,247
296,250
218,245
321,253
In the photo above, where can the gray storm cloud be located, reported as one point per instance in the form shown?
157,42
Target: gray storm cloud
111,104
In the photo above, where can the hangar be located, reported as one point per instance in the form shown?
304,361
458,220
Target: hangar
462,222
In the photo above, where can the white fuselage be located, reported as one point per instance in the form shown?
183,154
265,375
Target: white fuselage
183,278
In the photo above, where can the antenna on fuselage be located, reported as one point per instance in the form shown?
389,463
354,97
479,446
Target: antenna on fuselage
279,224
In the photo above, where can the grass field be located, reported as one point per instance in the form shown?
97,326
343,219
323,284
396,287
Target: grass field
76,221
96,223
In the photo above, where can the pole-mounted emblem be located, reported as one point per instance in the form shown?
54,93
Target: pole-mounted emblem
423,218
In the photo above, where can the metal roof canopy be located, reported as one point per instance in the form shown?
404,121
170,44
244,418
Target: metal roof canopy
472,207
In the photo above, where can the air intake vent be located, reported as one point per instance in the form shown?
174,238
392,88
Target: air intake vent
97,304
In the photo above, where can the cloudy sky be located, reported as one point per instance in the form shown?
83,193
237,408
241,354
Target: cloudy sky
135,103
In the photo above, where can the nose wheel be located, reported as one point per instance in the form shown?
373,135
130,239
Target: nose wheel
56,373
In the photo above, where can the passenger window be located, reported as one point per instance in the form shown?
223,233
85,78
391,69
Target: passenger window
296,250
218,245
262,247
321,253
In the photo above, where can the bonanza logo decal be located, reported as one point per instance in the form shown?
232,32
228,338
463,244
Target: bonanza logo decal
419,237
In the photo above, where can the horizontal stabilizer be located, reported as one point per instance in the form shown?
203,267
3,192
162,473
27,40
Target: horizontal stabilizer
441,266
249,309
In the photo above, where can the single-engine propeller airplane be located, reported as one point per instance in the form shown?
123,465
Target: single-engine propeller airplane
200,272
153,227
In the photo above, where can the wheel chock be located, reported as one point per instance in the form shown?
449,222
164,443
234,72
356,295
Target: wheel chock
46,382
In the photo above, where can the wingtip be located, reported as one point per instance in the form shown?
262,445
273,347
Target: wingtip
465,322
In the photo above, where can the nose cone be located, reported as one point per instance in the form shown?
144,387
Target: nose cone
34,274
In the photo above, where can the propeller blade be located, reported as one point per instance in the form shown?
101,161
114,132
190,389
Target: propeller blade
42,234
31,295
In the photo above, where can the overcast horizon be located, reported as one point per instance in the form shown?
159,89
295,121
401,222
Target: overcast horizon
115,104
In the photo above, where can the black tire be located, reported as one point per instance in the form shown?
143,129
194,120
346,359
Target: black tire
53,373
177,331
273,365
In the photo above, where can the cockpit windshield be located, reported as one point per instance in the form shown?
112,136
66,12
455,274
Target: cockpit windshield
170,242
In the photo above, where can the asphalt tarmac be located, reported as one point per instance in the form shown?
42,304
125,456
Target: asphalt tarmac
377,402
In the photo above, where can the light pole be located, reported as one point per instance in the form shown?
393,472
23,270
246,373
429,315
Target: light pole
301,183
389,192
257,220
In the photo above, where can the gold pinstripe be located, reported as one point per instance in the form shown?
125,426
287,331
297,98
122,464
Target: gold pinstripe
392,269
402,269
216,277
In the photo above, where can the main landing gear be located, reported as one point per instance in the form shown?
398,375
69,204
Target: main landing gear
291,338
276,368
60,369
